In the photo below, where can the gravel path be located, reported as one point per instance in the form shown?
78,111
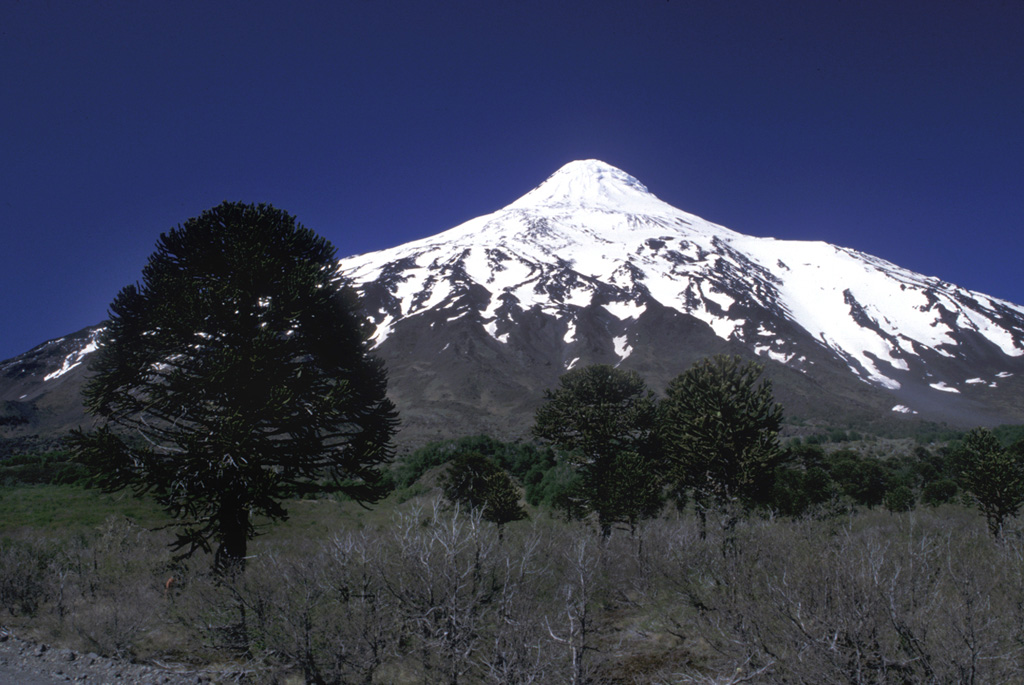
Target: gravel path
30,663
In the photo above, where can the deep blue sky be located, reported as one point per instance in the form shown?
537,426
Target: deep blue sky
893,127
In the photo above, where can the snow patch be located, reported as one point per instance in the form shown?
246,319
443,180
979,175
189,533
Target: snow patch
898,363
725,328
941,385
903,409
994,333
719,298
764,350
622,347
570,333
625,310
383,330
492,330
579,296
75,358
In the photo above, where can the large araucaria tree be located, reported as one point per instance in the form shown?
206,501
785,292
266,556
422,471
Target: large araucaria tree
235,376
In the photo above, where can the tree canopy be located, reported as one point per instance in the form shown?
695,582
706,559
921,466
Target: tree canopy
720,428
236,375
606,419
993,475
473,480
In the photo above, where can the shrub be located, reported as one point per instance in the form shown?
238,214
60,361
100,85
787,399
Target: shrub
939,492
900,498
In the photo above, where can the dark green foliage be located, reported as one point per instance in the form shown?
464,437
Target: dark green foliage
899,498
32,445
834,436
931,465
838,435
939,492
557,488
545,478
525,461
862,479
720,427
809,477
796,489
635,488
50,468
1008,435
236,376
629,489
605,418
992,474
411,468
931,433
801,482
476,481
932,475
805,455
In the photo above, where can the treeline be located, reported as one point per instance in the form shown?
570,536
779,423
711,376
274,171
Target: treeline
809,481
606,448
610,450
57,467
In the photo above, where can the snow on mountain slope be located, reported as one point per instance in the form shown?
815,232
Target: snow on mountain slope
592,234
475,322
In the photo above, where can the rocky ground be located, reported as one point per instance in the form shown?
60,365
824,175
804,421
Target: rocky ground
30,663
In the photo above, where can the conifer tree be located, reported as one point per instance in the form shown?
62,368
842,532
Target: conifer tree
236,376
720,428
606,419
474,480
993,475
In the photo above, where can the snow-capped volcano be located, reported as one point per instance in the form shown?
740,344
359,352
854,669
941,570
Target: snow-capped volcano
591,183
594,235
475,322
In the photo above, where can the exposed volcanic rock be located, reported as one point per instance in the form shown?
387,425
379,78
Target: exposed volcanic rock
475,322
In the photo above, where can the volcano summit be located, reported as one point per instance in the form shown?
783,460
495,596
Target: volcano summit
590,267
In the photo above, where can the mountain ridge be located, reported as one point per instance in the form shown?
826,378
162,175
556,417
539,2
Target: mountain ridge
589,266
546,237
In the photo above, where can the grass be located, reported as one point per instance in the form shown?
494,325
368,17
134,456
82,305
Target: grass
70,509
